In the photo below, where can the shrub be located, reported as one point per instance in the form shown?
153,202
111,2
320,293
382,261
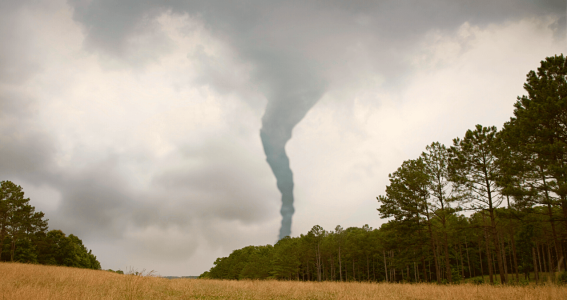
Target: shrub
562,278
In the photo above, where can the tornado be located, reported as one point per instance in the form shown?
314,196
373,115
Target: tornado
274,140
285,109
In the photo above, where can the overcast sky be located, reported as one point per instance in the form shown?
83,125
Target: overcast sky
136,124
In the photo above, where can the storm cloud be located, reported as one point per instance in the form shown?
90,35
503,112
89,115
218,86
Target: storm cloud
135,124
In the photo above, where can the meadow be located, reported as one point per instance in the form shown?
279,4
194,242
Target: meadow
26,281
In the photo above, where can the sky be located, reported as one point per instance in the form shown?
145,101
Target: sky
135,125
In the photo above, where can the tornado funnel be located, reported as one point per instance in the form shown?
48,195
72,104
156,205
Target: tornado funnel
283,112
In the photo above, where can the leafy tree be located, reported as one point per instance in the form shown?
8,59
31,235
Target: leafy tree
285,259
11,196
317,233
474,171
525,246
340,239
25,251
259,264
538,131
251,262
436,159
406,199
18,219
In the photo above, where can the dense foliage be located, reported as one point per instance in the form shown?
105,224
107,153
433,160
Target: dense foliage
493,203
24,236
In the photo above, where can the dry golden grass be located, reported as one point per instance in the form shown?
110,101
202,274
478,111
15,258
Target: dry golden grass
22,281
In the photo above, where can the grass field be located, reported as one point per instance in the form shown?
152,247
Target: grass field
22,281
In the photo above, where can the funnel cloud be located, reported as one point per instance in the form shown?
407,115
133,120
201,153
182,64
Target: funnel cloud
294,97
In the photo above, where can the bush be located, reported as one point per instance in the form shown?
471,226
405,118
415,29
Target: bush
562,278
456,275
478,280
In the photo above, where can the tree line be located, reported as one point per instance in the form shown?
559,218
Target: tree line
492,204
24,235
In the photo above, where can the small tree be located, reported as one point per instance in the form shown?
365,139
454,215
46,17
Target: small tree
317,233
406,200
436,159
339,238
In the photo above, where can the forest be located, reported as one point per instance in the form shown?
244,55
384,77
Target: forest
492,206
24,235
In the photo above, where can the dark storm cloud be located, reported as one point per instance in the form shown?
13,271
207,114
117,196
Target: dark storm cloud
295,45
222,184
291,37
282,38
95,202
17,62
253,26
216,191
559,28
24,147
225,184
